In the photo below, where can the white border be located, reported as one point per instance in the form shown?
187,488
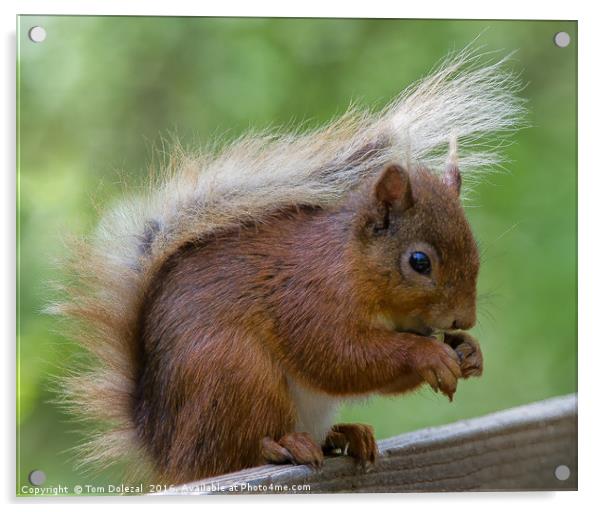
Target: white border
511,9
590,186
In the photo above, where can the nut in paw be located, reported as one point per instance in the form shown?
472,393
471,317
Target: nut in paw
469,352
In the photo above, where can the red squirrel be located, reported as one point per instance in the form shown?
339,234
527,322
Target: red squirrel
235,306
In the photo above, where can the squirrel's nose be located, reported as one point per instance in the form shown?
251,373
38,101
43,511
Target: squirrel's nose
464,322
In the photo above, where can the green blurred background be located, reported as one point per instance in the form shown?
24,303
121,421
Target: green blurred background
97,98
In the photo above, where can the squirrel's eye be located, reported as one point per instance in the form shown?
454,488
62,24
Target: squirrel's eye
420,262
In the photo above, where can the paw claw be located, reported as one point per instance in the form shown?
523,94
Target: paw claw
439,365
299,446
356,440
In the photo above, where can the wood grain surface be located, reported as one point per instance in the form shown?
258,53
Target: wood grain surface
515,449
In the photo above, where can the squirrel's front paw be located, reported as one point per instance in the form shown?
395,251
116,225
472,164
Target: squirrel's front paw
469,352
439,365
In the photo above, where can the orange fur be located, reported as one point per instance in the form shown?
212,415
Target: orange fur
226,320
250,287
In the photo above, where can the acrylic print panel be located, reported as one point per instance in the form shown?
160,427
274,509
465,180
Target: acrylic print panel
250,335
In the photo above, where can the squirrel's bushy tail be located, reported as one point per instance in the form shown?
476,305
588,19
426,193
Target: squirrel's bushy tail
197,195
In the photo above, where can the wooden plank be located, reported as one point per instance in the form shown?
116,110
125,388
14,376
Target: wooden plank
515,449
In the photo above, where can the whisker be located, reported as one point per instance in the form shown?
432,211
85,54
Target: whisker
484,248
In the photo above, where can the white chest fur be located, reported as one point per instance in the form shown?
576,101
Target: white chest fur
315,411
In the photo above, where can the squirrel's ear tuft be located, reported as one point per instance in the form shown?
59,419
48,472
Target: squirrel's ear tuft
393,189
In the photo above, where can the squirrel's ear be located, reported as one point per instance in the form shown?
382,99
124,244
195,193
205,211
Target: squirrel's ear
392,194
452,177
393,188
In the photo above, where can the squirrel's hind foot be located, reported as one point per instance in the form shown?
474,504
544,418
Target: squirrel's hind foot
354,439
293,448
